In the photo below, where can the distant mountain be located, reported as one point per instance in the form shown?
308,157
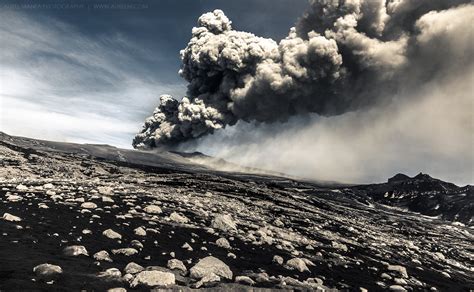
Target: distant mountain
425,195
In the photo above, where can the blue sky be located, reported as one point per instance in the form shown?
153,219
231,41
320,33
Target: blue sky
93,75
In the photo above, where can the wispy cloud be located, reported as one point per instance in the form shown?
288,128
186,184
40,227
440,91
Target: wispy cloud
56,83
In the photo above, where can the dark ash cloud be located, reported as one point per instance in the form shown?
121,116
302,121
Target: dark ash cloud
341,56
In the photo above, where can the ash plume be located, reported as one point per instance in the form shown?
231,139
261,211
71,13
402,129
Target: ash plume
340,56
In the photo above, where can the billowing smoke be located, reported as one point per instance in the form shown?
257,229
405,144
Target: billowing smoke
341,56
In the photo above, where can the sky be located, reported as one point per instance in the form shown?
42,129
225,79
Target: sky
90,71
92,75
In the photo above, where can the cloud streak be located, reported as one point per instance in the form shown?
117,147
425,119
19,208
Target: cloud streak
51,67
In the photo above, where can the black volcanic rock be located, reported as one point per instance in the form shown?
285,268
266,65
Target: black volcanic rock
322,237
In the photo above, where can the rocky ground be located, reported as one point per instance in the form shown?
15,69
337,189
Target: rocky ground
96,217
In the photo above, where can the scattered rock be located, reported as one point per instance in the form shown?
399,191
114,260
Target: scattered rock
102,256
86,231
224,223
140,231
210,265
112,273
208,278
14,198
175,217
11,218
339,246
222,242
244,280
133,268
136,244
151,279
109,233
47,271
75,250
117,290
386,276
88,205
298,264
175,264
48,186
21,187
397,288
278,259
402,271
152,209
107,191
187,246
106,199
125,251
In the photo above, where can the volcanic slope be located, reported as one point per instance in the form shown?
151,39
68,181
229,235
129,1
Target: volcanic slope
104,217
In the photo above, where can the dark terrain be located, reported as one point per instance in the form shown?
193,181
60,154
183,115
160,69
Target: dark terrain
412,234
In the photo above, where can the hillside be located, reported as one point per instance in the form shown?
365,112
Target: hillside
115,218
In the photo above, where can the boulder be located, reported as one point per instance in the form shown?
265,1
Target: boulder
152,209
222,242
109,233
298,264
175,217
102,256
47,271
175,264
133,268
151,279
224,223
210,265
